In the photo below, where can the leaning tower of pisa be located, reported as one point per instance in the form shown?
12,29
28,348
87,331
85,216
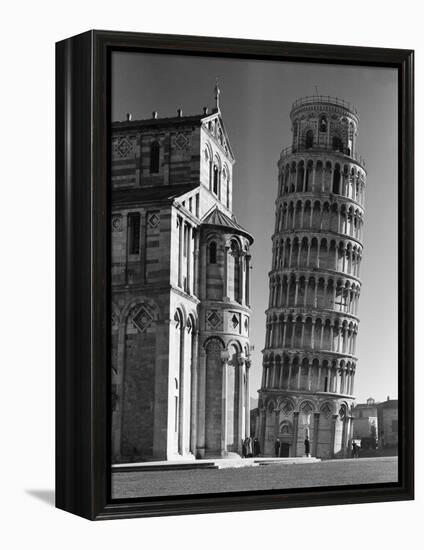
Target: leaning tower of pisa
309,359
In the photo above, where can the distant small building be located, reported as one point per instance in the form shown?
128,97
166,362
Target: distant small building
387,413
376,423
365,423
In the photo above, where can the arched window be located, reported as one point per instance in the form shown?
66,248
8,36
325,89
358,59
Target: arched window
215,184
336,180
337,143
323,123
154,157
309,139
212,252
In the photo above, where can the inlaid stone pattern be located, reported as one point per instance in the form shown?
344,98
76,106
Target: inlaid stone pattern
153,220
123,147
213,320
234,322
182,141
142,318
116,223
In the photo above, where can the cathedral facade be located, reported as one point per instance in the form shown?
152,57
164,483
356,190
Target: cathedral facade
180,291
309,359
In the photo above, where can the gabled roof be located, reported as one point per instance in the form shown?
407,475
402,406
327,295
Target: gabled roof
216,217
217,115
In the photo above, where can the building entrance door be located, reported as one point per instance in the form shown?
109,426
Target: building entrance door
284,449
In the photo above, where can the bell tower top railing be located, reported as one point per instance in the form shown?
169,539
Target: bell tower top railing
324,100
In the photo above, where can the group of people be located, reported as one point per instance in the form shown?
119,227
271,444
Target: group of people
250,447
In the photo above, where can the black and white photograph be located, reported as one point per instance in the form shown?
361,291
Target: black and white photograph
211,276
254,275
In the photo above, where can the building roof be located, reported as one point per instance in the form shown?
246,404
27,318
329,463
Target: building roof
180,120
190,119
151,194
216,217
389,404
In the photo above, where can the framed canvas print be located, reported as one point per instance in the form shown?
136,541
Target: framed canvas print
234,275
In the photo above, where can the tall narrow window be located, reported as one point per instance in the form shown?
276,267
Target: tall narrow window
337,144
323,123
215,179
336,180
197,205
212,252
176,407
154,157
134,233
185,242
309,139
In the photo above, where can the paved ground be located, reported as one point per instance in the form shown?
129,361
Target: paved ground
279,476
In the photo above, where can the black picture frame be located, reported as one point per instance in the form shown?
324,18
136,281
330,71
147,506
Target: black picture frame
82,241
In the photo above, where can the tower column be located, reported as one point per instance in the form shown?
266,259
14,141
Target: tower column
241,416
280,382
202,275
201,402
189,259
196,271
290,374
247,292
180,251
295,432
226,251
315,436
242,277
224,405
247,401
194,391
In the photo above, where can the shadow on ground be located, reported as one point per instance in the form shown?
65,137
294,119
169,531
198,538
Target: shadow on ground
45,495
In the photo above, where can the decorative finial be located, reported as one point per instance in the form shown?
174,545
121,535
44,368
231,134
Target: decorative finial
217,94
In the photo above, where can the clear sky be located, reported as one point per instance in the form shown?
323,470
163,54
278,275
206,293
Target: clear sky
256,97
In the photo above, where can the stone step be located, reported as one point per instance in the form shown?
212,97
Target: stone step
163,466
209,464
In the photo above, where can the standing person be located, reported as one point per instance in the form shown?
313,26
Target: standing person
277,447
243,448
249,448
357,451
307,446
256,447
354,449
